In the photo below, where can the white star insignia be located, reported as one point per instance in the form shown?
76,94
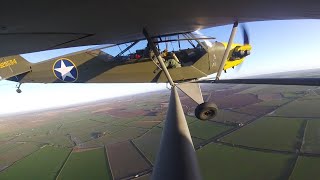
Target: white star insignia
65,71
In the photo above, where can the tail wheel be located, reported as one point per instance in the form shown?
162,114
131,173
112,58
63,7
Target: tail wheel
206,111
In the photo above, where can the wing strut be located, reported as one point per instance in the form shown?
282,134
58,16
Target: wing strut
176,158
226,52
160,60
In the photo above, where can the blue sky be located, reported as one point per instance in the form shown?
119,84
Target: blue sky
277,46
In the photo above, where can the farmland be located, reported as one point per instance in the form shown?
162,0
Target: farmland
261,132
268,133
215,159
312,137
121,153
206,129
297,109
42,164
88,164
306,168
149,143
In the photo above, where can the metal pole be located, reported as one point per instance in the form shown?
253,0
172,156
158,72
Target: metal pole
226,52
176,158
156,52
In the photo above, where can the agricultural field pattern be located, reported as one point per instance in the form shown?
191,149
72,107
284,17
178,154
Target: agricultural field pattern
261,132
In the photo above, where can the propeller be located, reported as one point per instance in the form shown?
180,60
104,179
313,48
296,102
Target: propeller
245,34
246,41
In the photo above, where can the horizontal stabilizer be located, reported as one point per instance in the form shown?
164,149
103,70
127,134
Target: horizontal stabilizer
12,66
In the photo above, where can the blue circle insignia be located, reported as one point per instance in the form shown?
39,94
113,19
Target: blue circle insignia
65,70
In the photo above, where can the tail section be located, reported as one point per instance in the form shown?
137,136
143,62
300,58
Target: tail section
13,66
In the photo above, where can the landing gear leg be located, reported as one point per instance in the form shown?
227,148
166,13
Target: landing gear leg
204,110
18,88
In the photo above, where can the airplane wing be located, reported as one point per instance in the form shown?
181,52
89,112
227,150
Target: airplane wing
273,81
31,26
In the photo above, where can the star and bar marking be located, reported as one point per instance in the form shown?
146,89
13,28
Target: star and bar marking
65,70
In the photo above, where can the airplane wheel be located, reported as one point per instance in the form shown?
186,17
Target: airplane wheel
19,91
206,111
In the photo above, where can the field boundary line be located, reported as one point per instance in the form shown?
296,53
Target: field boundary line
143,172
64,163
20,159
304,128
141,153
107,156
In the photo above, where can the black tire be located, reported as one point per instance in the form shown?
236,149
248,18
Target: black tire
206,111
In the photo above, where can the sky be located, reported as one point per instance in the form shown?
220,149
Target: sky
277,46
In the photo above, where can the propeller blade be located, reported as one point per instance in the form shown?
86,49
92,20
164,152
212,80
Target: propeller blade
245,34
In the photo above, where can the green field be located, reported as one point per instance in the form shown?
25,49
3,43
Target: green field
10,153
43,164
149,143
206,129
268,133
300,108
306,168
290,91
274,102
89,164
224,162
312,137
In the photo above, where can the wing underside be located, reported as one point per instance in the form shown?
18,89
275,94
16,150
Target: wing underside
51,25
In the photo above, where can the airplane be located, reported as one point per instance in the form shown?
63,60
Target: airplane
96,66
37,25
184,67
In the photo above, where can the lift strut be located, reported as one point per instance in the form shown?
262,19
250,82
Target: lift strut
226,52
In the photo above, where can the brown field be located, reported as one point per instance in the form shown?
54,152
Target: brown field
144,124
225,92
224,99
125,160
123,135
124,113
232,117
236,100
256,110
